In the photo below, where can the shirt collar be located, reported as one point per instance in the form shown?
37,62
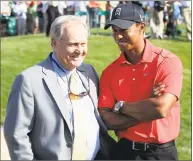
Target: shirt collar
63,71
148,53
146,57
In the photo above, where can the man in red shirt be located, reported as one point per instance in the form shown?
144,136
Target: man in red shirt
146,126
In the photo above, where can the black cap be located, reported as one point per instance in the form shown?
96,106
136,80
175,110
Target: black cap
125,15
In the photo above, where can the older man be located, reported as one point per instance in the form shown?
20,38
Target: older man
51,112
146,126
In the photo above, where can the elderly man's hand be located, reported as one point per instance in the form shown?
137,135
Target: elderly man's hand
158,90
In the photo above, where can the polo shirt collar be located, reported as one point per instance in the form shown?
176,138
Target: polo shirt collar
148,52
146,57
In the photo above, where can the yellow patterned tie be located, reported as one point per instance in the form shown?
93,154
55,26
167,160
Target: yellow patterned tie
74,87
80,134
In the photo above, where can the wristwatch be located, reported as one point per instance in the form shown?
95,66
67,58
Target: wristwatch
118,106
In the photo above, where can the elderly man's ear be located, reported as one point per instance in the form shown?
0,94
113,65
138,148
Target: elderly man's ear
53,43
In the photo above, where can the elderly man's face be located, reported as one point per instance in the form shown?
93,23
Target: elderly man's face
72,48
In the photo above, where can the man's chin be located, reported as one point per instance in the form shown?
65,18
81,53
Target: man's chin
77,64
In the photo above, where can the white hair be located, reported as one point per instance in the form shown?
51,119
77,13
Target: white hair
57,27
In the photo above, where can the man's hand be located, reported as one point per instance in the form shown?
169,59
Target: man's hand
158,90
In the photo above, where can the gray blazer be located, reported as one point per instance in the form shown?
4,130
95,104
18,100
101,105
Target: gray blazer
37,124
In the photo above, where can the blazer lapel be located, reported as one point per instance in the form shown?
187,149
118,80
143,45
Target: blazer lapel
54,88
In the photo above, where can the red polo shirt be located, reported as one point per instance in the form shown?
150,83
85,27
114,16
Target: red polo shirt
122,80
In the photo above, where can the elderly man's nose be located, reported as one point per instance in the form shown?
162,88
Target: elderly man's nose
79,49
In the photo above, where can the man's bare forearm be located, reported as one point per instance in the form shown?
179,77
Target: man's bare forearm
143,110
149,109
115,121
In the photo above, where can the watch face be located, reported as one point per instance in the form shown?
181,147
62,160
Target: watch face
117,105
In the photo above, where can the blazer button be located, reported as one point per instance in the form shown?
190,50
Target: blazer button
69,145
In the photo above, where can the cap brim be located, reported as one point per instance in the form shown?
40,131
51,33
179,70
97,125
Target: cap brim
123,24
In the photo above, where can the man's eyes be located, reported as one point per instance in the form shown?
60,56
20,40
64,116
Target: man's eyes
77,44
121,31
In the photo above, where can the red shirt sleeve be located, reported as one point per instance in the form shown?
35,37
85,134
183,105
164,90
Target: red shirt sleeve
106,98
171,74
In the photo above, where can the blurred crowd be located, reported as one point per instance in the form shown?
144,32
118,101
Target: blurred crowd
30,17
